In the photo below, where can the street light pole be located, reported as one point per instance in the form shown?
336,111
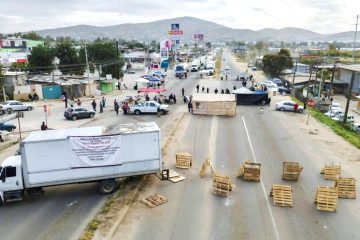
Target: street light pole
88,69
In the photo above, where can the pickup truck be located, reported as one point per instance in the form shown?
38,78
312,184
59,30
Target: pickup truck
148,107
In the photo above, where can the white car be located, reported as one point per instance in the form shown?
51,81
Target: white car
148,107
333,113
340,118
13,105
269,84
335,106
356,127
288,106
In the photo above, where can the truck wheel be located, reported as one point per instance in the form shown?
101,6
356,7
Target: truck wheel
137,112
107,186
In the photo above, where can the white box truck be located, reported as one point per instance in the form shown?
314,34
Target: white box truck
81,155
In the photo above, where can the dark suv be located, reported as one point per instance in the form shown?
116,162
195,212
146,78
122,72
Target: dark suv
78,112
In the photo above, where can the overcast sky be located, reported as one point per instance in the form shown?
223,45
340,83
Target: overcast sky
323,16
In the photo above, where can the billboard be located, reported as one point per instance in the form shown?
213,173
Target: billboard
165,44
199,37
175,26
12,43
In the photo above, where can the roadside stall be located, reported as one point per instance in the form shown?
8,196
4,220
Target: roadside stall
214,104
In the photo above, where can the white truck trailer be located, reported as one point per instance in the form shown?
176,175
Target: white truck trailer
80,155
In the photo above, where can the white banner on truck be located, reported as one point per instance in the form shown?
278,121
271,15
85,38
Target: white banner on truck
95,151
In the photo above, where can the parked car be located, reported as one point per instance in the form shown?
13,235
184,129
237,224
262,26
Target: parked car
287,106
254,68
335,106
148,107
13,105
7,127
75,113
159,74
333,113
269,84
340,118
285,90
356,127
277,81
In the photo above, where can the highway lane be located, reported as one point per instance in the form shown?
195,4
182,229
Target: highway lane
64,211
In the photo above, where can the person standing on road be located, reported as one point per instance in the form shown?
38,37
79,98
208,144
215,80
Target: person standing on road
296,106
103,100
174,98
269,101
93,104
72,102
190,107
158,111
147,98
216,91
116,107
183,92
203,89
197,88
65,99
207,90
222,91
43,127
78,102
101,107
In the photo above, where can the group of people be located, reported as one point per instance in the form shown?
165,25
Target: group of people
101,105
34,97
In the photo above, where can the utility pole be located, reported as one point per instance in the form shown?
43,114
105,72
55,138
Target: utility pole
349,96
88,69
354,52
321,79
117,59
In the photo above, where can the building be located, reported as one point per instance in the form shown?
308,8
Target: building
345,74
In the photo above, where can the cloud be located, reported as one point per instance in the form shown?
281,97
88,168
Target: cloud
316,15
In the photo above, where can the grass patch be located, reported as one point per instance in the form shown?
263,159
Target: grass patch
343,130
90,229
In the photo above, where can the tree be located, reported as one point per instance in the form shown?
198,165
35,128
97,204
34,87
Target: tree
31,36
69,59
208,45
274,65
260,46
104,54
41,59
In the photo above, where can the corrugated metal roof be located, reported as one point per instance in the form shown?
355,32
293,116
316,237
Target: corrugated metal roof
212,97
355,68
134,128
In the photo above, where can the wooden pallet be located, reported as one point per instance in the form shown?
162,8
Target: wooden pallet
346,187
154,200
221,185
326,198
183,160
252,172
331,171
207,164
291,171
282,195
240,173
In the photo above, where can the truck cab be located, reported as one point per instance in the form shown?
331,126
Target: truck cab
11,181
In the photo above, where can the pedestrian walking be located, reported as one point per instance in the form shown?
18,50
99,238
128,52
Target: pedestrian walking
64,95
203,89
116,107
183,92
101,107
207,90
174,98
125,108
190,107
197,88
43,127
103,100
296,106
158,111
78,102
72,102
93,104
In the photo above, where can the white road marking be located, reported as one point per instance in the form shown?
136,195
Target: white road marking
262,185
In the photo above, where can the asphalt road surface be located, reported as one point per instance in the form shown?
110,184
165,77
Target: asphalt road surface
269,138
64,211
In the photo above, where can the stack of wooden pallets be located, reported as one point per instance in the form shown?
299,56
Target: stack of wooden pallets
326,198
221,185
252,172
240,173
346,187
282,195
331,171
183,160
291,171
154,200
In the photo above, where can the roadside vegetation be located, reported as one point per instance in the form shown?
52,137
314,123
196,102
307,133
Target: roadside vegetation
343,130
218,64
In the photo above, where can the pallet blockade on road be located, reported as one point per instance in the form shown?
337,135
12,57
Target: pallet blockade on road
346,187
291,171
252,172
154,200
282,195
214,104
240,173
206,164
221,185
331,171
183,160
326,198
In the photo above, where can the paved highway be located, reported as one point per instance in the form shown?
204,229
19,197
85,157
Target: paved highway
269,138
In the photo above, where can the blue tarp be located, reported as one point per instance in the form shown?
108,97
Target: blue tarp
260,92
